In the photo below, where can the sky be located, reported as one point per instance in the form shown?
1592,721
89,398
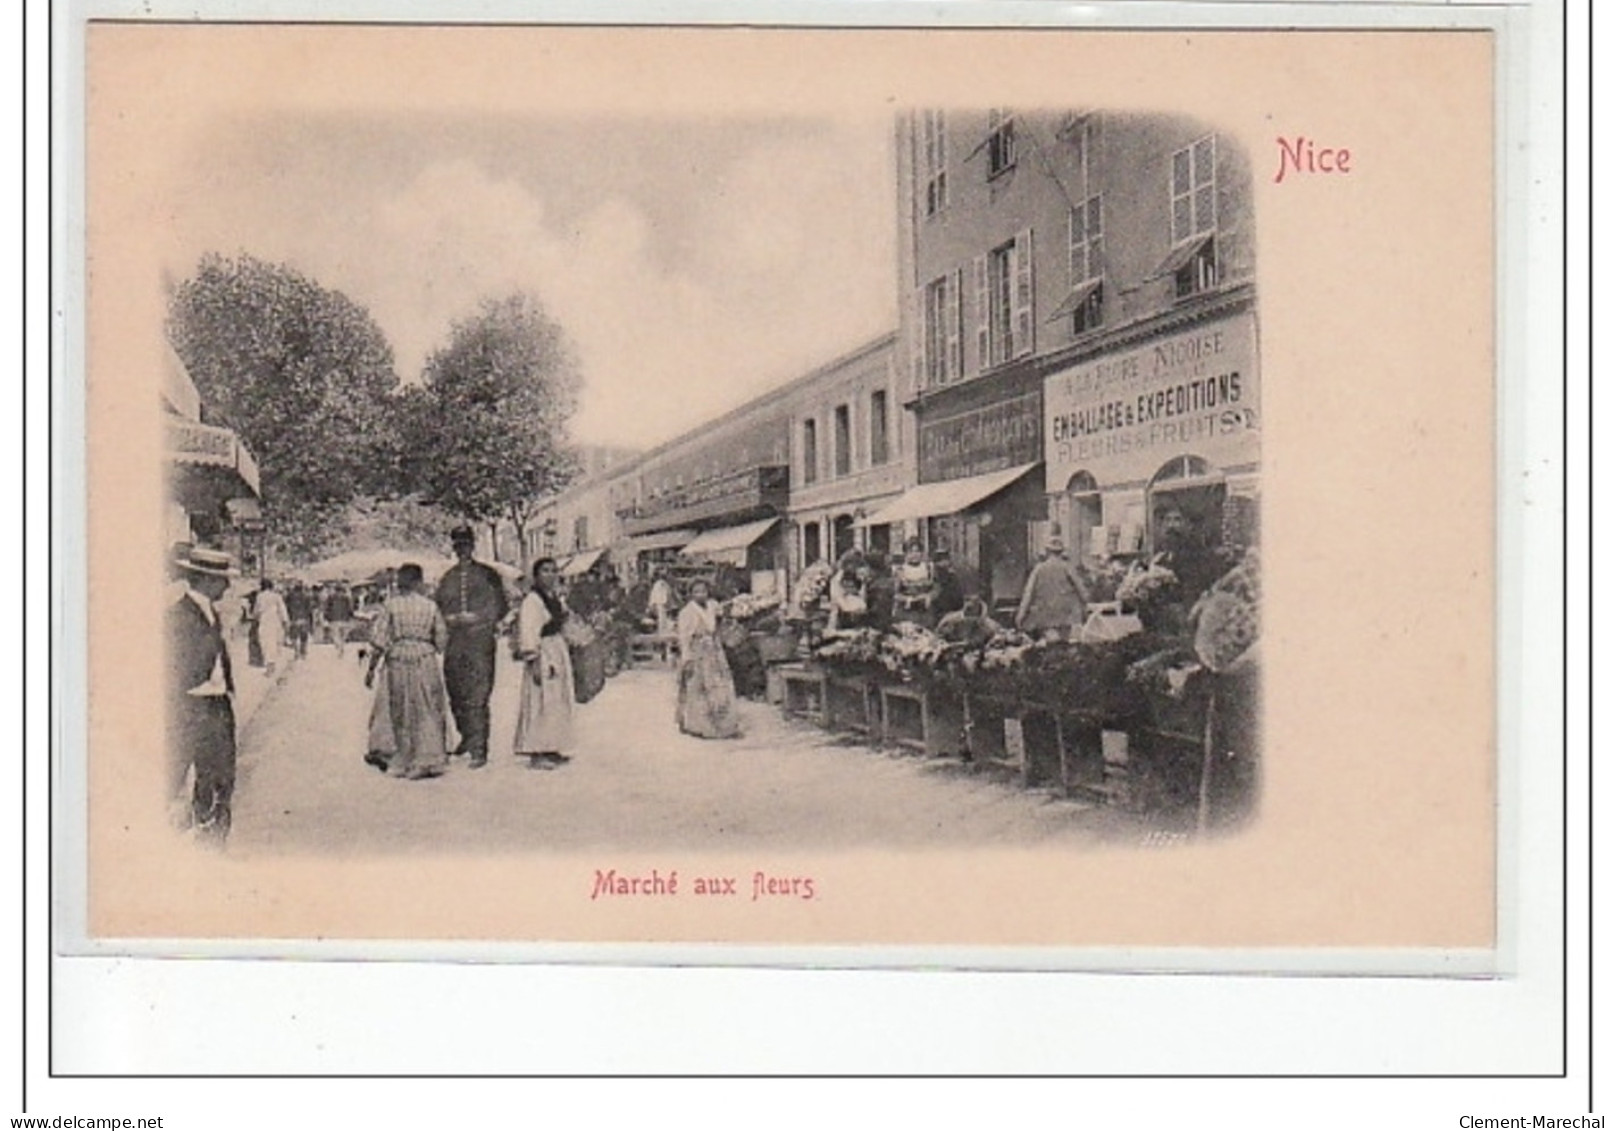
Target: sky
692,263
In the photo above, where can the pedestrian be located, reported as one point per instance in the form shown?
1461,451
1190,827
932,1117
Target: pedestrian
299,618
916,586
472,598
201,689
408,718
1055,601
544,722
274,625
661,602
339,616
706,688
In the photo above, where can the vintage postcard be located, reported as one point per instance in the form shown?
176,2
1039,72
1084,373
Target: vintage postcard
1015,492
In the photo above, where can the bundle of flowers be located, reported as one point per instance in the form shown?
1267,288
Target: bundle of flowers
1228,616
749,606
912,650
1145,584
858,648
811,588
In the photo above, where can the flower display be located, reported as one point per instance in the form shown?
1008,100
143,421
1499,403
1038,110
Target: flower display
811,588
1142,585
1227,617
910,649
747,606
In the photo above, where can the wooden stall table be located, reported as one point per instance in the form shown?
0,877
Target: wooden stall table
649,648
861,690
892,732
804,692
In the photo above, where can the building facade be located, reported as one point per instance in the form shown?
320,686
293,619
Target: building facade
1077,333
851,453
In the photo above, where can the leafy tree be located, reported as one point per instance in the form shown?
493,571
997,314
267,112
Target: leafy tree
489,425
305,377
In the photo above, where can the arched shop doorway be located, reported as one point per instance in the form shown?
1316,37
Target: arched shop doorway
1185,511
1083,512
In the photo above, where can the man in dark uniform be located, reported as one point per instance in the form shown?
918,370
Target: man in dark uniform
201,718
472,598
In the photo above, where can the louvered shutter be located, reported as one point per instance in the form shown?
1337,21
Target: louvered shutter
954,314
978,271
1021,338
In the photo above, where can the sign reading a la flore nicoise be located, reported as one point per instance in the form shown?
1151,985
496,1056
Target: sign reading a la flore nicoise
1121,416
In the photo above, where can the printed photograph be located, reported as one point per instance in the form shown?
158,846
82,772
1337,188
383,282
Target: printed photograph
747,486
959,517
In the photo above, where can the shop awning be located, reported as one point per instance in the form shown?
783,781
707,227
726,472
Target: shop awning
581,563
1181,255
661,540
931,499
728,539
1073,301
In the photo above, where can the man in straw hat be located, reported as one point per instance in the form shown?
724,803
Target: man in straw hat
202,721
472,598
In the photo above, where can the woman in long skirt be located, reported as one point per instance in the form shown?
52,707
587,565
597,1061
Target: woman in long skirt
409,718
544,725
706,704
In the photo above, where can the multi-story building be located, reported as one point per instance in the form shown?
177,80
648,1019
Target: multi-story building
1078,331
579,523
851,453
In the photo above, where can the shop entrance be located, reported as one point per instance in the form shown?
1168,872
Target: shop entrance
1084,511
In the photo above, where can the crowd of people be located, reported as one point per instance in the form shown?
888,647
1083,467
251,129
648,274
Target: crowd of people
866,591
430,659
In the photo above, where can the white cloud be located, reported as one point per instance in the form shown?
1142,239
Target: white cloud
792,264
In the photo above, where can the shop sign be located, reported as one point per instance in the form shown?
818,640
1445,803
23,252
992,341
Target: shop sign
1120,416
983,440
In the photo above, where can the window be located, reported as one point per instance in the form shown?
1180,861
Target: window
934,138
810,451
580,532
1194,190
1000,142
1199,273
1087,255
843,440
1081,131
1003,286
879,440
942,360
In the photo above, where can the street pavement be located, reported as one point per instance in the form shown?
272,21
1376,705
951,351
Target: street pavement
634,782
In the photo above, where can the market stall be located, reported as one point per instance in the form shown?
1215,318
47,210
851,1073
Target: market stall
1151,708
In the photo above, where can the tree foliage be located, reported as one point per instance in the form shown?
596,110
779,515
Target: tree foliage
488,427
305,376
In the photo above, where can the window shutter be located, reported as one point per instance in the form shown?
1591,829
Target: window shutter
914,315
1021,341
954,364
978,272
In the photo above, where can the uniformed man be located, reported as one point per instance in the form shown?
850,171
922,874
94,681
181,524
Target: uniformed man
472,598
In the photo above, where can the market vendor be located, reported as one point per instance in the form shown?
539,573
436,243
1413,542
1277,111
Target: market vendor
970,624
916,586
